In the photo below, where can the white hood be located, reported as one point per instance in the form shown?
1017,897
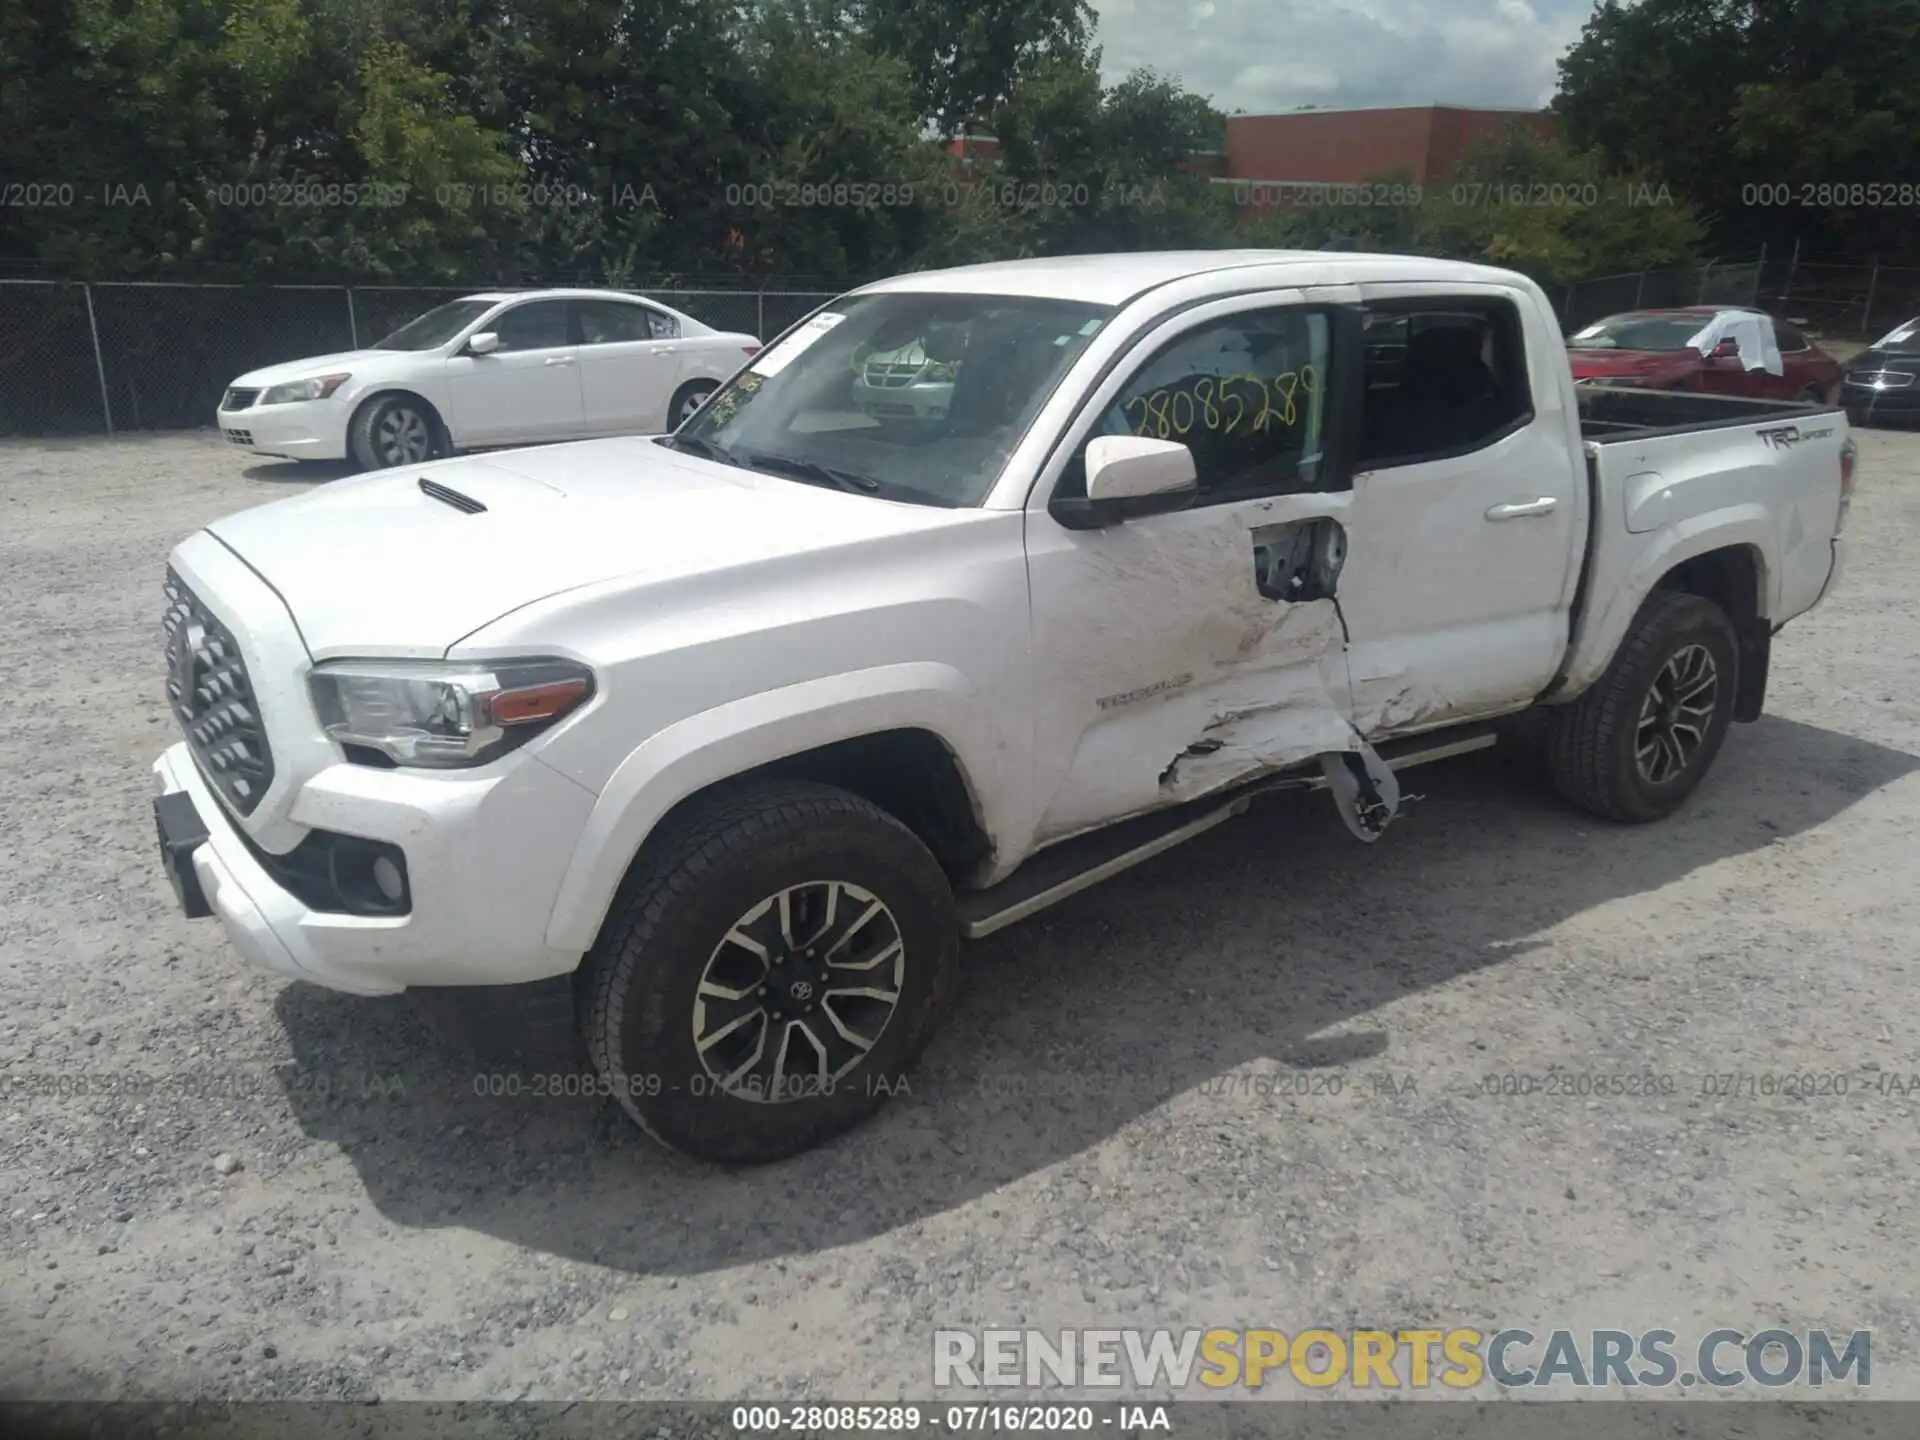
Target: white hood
374,566
347,360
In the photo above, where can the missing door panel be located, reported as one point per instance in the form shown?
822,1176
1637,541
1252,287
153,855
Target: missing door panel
1300,560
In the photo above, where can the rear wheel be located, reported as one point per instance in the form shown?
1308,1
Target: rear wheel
1640,740
770,972
686,400
392,430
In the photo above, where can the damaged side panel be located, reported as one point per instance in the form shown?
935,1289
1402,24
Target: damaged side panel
1231,665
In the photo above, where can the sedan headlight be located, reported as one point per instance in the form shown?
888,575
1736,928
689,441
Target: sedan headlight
317,388
445,715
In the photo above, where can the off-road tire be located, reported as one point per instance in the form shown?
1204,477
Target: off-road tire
1591,741
639,986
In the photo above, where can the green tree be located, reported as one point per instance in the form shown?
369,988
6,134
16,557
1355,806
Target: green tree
1774,116
836,177
1088,167
1555,212
222,137
1382,214
965,61
1537,206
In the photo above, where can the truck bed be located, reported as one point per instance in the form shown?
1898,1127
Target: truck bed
1764,478
1610,413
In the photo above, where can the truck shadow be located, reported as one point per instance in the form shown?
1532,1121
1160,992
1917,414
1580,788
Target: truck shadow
1243,946
298,472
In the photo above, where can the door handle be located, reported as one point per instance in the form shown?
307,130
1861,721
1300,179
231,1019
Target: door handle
1521,509
559,360
661,350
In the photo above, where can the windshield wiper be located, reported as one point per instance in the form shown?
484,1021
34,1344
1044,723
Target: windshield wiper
705,449
813,472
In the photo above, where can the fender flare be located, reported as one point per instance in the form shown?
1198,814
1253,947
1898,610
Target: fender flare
1600,636
730,739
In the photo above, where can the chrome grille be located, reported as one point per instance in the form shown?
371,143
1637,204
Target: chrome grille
892,377
238,399
1881,379
209,694
895,369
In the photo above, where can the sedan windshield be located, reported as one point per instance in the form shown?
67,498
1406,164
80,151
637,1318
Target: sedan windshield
1899,335
1641,332
905,395
437,326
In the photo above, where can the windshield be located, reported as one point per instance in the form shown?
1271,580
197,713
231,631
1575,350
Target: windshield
1899,335
1640,332
437,326
909,396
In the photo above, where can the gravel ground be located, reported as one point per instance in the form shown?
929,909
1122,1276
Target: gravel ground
309,1199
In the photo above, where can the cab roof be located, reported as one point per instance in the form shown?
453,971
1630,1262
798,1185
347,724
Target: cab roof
1116,279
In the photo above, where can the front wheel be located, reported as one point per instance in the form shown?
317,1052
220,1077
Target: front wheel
770,972
392,430
1642,737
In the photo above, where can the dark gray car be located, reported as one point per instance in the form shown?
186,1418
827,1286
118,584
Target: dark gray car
1882,383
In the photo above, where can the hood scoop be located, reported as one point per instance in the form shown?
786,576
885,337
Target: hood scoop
447,495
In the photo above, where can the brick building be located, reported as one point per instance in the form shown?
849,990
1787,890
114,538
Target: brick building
1343,147
1338,147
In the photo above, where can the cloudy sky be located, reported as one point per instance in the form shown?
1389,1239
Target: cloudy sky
1260,55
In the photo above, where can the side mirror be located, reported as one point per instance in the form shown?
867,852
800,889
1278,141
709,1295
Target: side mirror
485,343
1129,476
1727,349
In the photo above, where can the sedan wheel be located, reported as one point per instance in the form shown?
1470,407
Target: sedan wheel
687,399
392,430
402,437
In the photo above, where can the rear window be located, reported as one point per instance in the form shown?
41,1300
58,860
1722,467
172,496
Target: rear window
1640,332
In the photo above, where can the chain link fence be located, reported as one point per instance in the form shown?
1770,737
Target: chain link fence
103,358
92,359
1833,303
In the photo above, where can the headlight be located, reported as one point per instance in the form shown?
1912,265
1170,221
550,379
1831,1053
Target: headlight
318,388
445,715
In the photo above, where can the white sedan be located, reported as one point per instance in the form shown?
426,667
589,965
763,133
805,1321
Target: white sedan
485,371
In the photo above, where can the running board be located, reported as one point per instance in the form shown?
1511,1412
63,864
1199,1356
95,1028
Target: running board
1064,870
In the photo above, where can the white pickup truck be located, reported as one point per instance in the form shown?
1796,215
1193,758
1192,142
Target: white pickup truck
724,740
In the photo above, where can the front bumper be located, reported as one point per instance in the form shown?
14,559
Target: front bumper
485,858
1902,402
929,401
302,430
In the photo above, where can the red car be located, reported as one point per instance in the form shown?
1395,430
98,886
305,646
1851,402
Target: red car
1656,349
